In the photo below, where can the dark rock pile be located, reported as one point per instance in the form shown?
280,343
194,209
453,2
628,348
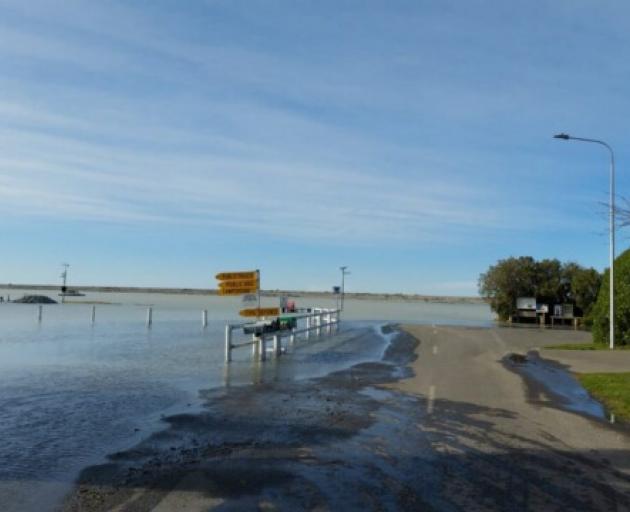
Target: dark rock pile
35,299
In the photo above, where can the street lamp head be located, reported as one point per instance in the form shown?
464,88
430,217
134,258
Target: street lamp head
562,136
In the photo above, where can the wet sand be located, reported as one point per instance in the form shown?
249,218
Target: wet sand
439,424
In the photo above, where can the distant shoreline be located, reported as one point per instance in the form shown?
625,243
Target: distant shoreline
265,293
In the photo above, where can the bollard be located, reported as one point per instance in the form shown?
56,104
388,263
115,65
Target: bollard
228,343
263,348
39,313
93,314
255,347
204,318
292,337
276,345
149,316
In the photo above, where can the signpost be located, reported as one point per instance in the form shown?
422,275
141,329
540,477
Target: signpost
260,312
240,283
231,276
235,290
243,283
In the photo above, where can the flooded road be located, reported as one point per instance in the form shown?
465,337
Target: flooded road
71,392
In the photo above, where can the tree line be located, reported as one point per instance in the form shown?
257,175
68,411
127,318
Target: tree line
549,280
552,282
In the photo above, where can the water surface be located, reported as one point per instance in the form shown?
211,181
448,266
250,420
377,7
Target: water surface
71,392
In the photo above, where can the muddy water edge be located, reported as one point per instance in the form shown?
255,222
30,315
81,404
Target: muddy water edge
294,444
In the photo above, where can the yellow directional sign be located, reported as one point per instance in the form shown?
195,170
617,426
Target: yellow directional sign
229,276
260,312
239,283
236,290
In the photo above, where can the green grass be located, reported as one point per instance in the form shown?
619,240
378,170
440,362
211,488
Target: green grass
612,389
585,346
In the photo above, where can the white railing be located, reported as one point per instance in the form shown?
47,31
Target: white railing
39,312
317,320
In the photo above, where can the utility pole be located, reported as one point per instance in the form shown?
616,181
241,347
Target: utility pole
344,273
64,277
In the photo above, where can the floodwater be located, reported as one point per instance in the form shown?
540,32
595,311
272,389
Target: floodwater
71,392
565,387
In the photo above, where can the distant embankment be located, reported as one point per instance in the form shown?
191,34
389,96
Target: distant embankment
266,293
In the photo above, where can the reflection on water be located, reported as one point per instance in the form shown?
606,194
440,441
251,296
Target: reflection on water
71,392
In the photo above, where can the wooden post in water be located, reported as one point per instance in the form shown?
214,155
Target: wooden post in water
204,318
39,313
93,318
149,316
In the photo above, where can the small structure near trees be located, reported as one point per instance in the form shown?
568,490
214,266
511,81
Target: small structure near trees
524,289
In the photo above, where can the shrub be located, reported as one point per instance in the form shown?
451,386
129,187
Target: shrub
600,314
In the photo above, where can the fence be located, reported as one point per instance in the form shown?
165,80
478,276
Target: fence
318,320
148,318
315,319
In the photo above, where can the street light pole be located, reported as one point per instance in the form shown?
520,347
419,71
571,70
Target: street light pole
611,222
344,273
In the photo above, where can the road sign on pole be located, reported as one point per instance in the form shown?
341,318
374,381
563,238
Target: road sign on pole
229,276
243,283
260,312
239,283
236,291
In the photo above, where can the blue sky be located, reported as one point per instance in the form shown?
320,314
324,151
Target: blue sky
158,142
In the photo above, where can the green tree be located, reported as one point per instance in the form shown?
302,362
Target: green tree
585,284
600,314
504,282
549,280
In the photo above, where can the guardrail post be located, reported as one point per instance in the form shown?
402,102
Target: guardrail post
39,313
204,318
292,337
149,316
93,316
328,323
228,343
308,327
255,347
263,348
277,349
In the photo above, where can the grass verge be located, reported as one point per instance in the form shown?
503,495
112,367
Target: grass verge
585,346
612,389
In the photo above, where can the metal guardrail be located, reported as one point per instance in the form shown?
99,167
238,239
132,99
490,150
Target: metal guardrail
318,320
314,322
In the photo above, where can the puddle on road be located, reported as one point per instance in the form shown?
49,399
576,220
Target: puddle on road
558,383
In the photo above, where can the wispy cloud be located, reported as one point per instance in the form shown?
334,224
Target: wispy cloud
424,124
